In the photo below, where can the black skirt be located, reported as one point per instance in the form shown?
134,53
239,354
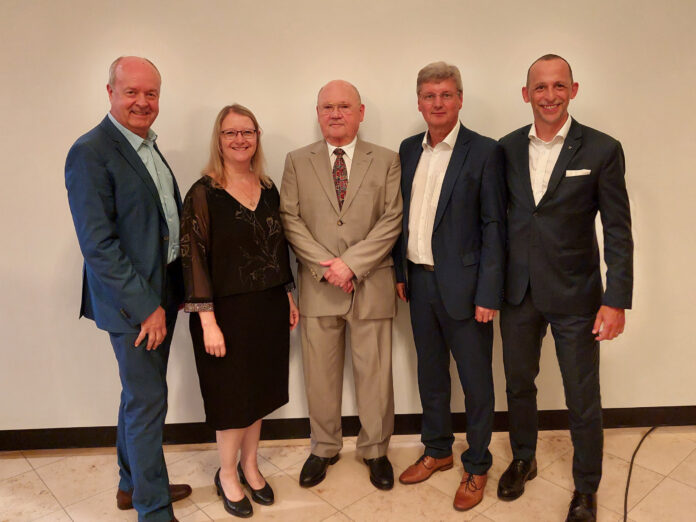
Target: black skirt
251,380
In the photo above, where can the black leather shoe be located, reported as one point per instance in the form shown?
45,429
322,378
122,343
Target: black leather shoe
583,508
241,508
260,496
381,472
314,469
511,483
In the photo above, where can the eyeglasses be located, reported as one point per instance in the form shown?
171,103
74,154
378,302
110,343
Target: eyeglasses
342,108
230,134
431,97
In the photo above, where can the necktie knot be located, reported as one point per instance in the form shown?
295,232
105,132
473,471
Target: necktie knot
339,152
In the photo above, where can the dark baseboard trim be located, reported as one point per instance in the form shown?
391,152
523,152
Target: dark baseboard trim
275,429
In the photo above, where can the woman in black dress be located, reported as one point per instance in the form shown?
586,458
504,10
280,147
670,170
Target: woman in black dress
238,284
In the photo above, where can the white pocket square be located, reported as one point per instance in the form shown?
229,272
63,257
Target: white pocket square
580,172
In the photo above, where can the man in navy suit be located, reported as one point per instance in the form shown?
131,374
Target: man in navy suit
559,175
449,262
125,205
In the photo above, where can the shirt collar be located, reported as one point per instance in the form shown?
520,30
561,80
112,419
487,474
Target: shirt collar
450,140
562,132
135,140
349,149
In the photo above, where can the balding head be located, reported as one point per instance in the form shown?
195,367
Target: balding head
340,112
134,90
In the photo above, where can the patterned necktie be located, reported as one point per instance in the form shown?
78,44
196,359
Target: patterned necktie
340,176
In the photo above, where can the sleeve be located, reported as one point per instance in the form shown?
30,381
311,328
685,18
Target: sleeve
493,201
195,251
364,255
615,212
92,204
307,249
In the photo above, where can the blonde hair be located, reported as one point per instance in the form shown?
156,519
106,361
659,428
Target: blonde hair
438,72
216,164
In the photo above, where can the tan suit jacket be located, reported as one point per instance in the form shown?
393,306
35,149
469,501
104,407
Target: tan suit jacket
362,233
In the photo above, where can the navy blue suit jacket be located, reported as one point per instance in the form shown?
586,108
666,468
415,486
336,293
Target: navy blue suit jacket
121,228
468,239
552,246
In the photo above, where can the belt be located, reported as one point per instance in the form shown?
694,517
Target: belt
427,268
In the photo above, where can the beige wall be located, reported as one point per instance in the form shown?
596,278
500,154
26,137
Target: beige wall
634,61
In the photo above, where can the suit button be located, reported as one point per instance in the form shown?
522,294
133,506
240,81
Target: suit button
165,238
339,222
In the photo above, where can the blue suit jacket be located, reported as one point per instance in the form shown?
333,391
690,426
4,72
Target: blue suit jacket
468,240
552,246
121,228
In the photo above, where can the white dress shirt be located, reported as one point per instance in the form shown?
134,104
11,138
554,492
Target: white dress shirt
349,151
542,158
425,194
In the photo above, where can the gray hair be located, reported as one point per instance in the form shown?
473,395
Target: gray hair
115,63
437,72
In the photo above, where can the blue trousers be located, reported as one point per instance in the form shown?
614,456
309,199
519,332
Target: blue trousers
140,423
436,334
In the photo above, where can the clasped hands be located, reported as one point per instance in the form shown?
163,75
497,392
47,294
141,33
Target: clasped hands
338,274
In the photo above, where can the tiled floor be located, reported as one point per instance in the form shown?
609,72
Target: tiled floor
80,485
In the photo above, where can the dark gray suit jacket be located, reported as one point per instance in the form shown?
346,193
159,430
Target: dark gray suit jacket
552,246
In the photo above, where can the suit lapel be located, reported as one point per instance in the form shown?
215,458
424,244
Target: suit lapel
319,157
459,154
408,172
177,194
362,158
126,150
570,147
520,157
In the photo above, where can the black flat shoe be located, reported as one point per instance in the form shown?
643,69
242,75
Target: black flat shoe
314,469
262,496
511,483
241,508
381,472
583,508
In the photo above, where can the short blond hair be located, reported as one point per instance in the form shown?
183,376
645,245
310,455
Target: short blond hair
437,72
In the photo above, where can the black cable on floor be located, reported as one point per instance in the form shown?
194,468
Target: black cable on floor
630,470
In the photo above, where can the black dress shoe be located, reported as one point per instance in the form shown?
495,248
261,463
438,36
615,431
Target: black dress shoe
241,508
511,484
583,508
260,496
381,472
314,469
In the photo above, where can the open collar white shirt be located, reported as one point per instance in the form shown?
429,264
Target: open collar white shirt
542,158
425,195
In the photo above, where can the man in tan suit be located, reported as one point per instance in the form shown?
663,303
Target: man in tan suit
341,208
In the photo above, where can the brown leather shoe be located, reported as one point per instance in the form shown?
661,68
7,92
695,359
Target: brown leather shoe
423,468
124,499
470,491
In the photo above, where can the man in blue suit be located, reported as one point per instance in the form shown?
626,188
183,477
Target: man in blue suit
125,205
449,262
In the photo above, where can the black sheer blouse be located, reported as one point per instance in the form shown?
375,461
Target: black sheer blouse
227,249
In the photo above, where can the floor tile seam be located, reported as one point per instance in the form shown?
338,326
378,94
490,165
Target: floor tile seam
66,506
551,463
18,474
312,491
642,499
55,497
353,503
51,513
681,482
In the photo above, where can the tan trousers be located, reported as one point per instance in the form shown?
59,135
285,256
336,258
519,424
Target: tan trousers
323,354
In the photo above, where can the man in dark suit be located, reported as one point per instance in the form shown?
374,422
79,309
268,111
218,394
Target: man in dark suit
451,256
559,175
125,205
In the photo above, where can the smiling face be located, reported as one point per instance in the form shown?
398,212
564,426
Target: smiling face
549,90
134,95
440,103
236,149
340,112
